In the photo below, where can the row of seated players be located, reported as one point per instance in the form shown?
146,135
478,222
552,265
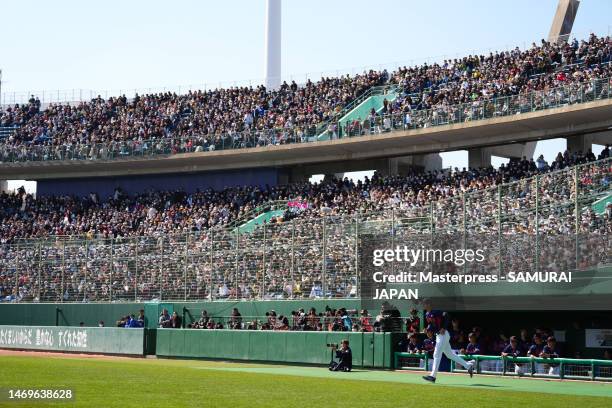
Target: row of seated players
151,213
540,345
208,117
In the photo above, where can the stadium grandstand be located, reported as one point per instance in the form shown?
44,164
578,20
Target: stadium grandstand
242,224
297,240
460,90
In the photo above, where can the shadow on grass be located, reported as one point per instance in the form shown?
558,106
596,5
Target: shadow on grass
486,385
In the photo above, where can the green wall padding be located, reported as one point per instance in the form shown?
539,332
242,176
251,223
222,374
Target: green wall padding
369,349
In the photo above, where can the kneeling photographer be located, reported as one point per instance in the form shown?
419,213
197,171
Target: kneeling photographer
344,356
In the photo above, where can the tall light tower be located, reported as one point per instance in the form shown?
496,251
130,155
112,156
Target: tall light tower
273,44
563,21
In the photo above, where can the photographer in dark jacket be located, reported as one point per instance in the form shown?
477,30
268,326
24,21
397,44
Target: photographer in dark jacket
345,357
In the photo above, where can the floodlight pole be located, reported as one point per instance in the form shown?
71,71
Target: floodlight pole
563,21
273,44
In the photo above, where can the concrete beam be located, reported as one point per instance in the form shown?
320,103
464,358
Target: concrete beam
582,143
602,138
388,167
513,151
426,162
563,21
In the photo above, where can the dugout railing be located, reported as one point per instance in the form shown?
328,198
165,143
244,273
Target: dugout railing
557,368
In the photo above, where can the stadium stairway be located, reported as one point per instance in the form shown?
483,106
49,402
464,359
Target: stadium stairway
599,206
258,216
360,108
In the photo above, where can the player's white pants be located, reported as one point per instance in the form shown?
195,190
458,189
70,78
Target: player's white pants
518,369
443,347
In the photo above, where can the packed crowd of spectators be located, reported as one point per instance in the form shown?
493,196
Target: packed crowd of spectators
203,119
500,74
165,212
299,320
247,116
164,245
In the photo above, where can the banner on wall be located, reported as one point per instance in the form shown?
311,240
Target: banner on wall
111,340
598,338
297,205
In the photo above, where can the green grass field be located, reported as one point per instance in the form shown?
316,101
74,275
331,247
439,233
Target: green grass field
192,383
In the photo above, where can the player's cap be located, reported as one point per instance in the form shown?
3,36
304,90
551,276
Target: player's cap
551,339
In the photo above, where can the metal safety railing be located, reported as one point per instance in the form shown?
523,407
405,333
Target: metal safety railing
574,93
559,368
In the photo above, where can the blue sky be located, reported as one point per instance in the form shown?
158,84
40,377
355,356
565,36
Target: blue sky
119,45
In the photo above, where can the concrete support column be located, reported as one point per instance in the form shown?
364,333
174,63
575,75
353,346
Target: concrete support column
479,157
3,186
388,167
417,163
297,174
428,162
579,143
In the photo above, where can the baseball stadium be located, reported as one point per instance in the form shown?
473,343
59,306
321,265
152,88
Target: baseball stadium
430,232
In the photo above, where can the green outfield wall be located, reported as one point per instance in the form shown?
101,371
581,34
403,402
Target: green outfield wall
369,349
106,340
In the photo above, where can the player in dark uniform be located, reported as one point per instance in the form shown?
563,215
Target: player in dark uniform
410,344
513,349
550,350
441,322
536,348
